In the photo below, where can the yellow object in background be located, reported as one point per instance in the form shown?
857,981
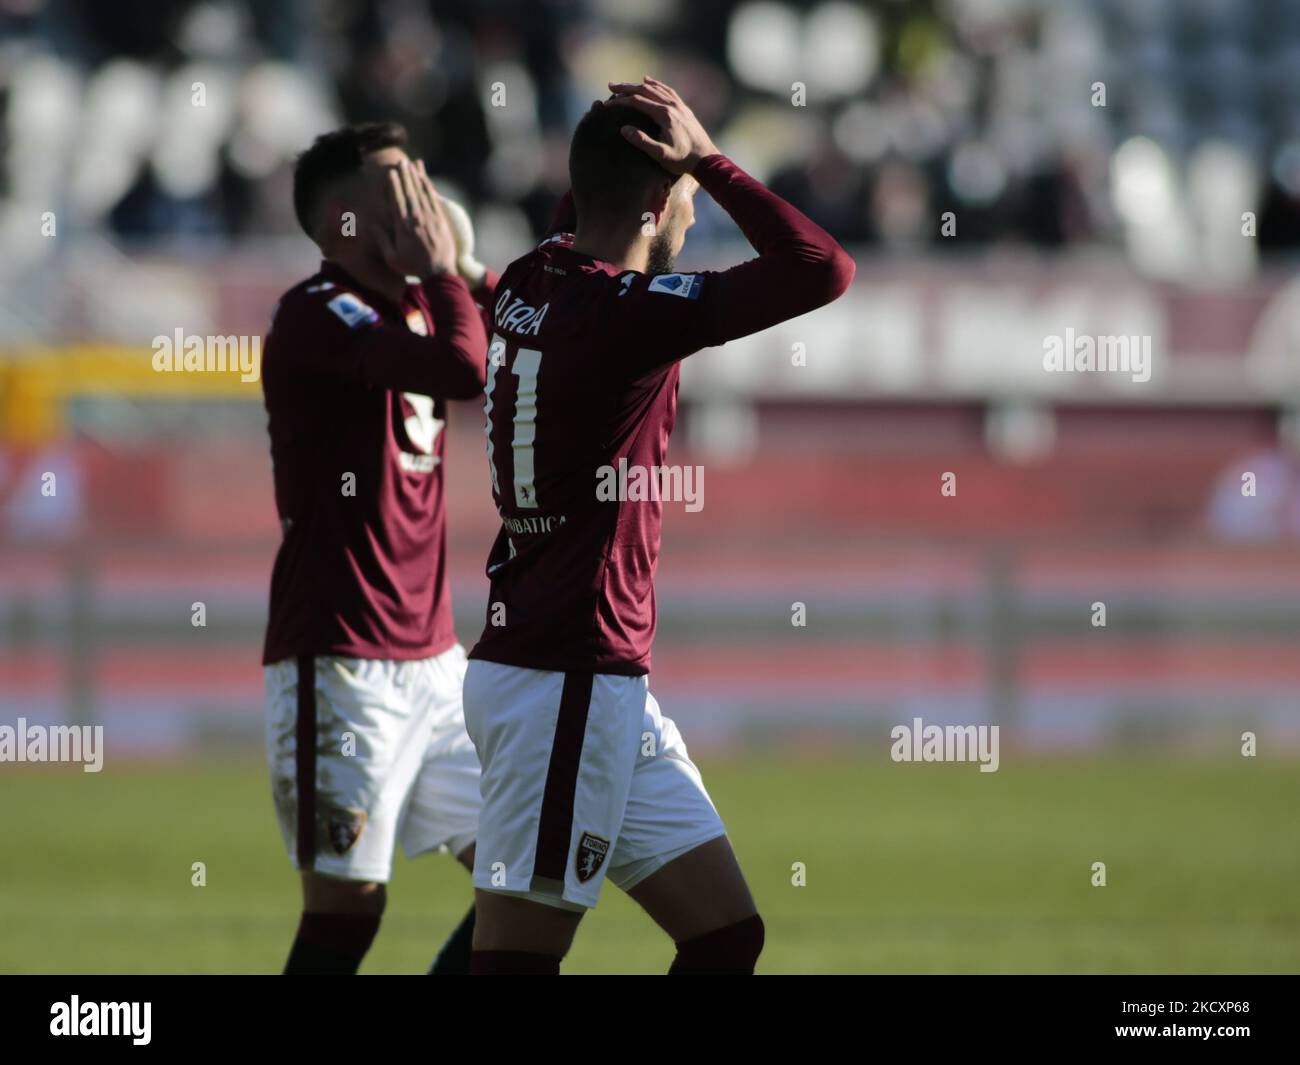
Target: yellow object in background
36,385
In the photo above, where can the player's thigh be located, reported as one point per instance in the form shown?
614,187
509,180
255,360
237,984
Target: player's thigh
344,745
516,923
697,892
442,812
673,856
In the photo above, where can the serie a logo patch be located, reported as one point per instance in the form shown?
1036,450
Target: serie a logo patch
685,285
352,310
591,856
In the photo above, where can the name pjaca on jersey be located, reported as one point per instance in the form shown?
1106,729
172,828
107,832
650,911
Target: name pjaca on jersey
517,316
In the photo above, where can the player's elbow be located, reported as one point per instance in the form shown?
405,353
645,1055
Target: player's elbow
477,382
463,362
469,383
828,277
837,274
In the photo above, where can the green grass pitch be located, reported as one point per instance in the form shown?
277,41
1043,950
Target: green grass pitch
909,868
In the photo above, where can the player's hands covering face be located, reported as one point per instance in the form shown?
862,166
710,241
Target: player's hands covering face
418,240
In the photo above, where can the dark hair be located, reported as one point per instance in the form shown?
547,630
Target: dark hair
335,155
608,172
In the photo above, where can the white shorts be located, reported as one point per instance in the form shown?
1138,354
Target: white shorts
372,752
582,776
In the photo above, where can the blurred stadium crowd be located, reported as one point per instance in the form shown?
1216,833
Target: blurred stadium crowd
986,108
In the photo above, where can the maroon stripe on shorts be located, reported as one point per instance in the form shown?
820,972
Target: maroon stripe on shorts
305,762
555,827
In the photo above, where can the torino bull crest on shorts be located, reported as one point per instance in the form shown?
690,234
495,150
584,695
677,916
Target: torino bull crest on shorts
591,855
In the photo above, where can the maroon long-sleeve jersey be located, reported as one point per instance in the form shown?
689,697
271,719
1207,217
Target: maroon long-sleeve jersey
355,391
583,375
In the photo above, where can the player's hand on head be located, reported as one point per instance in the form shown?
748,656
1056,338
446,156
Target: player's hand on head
419,241
682,143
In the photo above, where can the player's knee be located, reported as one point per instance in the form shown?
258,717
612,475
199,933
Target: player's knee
323,894
732,949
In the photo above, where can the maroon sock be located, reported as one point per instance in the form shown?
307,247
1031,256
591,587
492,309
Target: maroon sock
331,944
728,951
513,963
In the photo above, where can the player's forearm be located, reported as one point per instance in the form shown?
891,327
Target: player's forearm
462,360
812,263
450,365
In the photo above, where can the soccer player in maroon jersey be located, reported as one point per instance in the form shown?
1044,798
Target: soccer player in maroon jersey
365,731
583,776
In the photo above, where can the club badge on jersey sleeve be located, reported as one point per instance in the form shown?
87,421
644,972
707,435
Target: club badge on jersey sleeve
685,285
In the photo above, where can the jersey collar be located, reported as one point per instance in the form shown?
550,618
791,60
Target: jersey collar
332,271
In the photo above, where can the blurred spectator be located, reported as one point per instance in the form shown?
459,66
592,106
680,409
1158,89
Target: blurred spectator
1271,512
986,109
